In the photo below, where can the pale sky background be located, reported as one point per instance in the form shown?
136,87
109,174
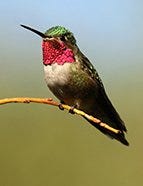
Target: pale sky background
41,145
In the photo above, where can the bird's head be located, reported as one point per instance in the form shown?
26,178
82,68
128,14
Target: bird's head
59,45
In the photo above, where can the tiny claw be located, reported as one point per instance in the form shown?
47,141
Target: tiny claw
61,106
71,111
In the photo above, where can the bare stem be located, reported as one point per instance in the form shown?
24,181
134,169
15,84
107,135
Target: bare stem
50,101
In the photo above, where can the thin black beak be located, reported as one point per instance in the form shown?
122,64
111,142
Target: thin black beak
35,31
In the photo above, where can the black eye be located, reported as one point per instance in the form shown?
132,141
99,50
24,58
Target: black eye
62,38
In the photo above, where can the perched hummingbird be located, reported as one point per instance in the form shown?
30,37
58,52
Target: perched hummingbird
74,81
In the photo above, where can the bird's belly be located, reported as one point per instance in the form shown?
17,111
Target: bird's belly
57,79
61,82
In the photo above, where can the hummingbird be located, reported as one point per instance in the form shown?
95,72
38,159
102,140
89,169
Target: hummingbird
74,81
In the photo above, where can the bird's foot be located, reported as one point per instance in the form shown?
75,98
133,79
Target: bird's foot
71,111
61,106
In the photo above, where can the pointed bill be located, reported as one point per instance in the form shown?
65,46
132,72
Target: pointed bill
35,31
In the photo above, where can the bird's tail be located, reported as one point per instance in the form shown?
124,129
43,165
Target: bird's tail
118,136
105,111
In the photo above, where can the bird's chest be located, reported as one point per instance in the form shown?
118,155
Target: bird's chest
57,75
68,83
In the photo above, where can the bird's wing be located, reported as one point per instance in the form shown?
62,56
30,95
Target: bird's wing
103,100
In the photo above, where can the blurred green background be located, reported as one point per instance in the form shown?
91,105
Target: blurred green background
40,145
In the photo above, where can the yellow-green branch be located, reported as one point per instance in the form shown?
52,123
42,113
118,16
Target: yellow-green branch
50,101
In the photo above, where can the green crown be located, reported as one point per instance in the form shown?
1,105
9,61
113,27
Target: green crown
57,31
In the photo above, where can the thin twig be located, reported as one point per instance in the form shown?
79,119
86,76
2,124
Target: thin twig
50,101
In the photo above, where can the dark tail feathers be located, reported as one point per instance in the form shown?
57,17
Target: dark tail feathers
119,136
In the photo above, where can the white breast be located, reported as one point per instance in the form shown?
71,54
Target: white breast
57,74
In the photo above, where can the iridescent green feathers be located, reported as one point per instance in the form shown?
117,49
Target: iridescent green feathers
59,31
56,31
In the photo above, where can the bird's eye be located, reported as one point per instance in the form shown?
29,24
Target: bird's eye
63,38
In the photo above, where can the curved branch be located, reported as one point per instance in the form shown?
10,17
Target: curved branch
50,101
